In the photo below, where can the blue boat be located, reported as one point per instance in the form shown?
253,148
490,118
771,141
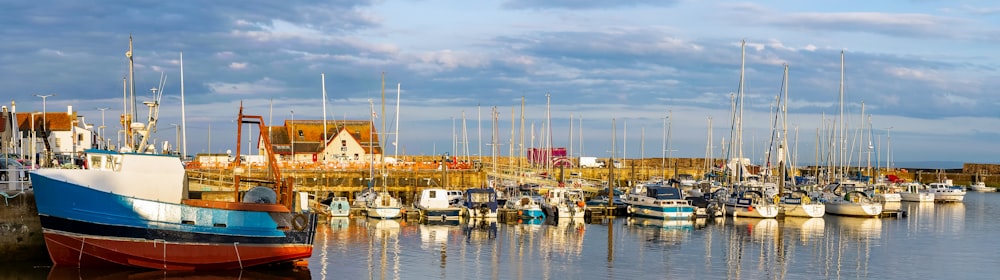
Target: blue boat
130,208
435,204
661,203
480,203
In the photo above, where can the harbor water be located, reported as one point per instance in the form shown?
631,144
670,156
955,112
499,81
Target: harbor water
934,241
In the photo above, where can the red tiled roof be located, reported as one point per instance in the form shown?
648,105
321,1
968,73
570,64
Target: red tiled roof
58,121
309,135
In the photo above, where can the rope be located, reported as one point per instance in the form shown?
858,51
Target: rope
79,259
238,254
6,197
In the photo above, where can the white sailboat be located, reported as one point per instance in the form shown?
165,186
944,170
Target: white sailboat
745,201
848,198
383,205
845,197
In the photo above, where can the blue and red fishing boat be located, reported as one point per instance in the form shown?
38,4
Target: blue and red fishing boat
130,207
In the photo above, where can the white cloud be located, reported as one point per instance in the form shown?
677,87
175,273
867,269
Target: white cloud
238,65
957,99
262,86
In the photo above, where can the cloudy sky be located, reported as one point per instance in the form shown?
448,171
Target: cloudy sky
925,70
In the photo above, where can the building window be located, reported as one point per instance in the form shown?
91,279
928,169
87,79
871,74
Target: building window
432,194
301,135
343,143
356,157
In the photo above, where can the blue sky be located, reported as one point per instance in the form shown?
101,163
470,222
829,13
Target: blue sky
926,68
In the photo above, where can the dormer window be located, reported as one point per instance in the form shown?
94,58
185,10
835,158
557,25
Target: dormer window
301,135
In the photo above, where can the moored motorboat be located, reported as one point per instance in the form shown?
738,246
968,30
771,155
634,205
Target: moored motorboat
981,187
436,204
916,192
946,192
480,203
660,203
338,207
564,203
527,206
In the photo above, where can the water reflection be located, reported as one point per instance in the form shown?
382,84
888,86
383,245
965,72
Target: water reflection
120,273
757,229
383,248
480,230
808,228
950,217
659,231
859,228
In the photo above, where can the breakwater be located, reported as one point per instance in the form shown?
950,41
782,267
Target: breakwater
404,180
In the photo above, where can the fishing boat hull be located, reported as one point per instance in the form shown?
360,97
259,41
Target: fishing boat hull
86,227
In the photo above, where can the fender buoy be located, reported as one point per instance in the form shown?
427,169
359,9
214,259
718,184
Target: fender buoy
750,208
299,221
805,200
580,204
777,199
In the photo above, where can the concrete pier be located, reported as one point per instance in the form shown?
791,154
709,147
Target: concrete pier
20,230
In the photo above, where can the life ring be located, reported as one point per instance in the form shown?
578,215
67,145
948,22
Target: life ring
299,221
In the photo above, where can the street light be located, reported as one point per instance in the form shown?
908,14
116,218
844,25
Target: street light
177,134
291,134
44,121
102,146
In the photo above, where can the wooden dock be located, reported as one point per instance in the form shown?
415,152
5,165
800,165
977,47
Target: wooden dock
896,213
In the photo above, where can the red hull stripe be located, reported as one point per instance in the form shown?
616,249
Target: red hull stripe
73,250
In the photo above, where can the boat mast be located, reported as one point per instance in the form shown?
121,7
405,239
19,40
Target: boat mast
395,144
381,145
326,141
739,122
784,135
842,140
184,145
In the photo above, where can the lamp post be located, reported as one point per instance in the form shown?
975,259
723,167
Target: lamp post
291,133
177,135
44,121
101,128
34,158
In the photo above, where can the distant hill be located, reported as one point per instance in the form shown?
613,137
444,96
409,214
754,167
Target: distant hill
929,164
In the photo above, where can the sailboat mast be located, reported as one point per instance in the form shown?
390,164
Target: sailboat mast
521,144
184,145
611,165
842,156
395,143
784,135
739,132
323,85
381,145
663,151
